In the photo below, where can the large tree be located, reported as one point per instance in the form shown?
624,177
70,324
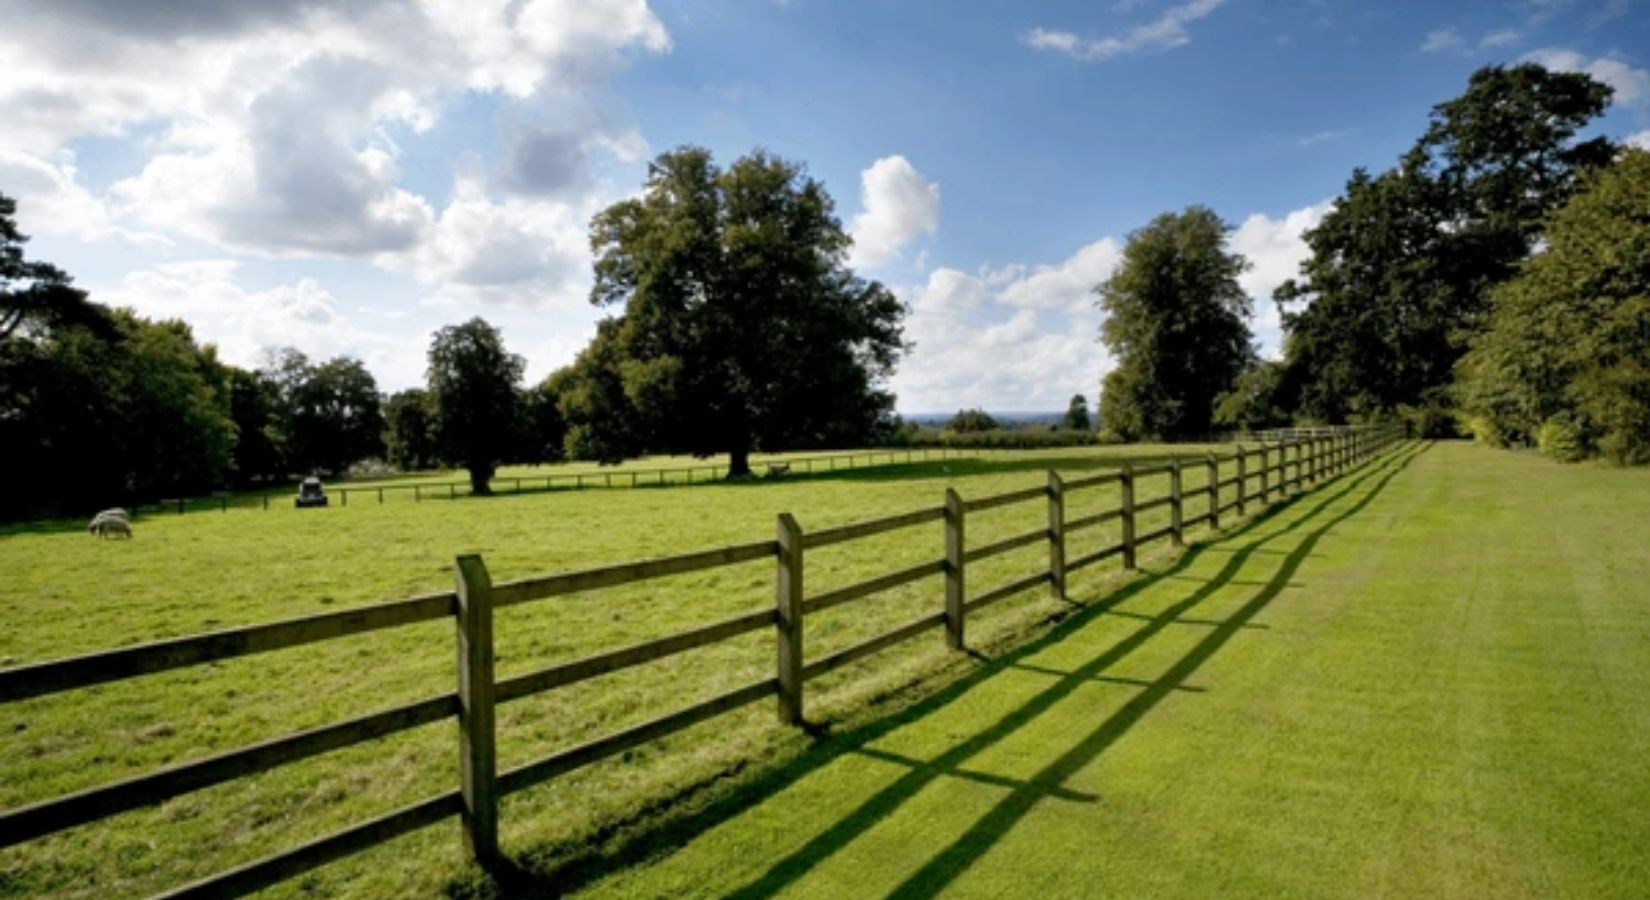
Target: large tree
1402,264
1566,355
742,327
331,412
473,383
1176,323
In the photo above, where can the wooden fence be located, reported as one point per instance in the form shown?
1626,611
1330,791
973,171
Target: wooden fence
224,501
1280,468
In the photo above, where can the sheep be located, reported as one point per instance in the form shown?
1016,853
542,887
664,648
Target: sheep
110,521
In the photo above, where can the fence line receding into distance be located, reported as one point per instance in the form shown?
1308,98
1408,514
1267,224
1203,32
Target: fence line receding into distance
1292,464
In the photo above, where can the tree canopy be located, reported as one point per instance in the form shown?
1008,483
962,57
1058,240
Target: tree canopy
741,327
473,382
1565,358
1176,323
1401,266
1077,414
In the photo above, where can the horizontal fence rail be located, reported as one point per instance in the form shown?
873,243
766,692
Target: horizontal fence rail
778,467
1264,474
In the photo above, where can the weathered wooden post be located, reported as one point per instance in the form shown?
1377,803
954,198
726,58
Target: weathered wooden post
380,496
1125,489
1176,505
1265,476
476,734
956,584
266,501
788,606
1056,535
1243,481
343,496
418,493
1214,491
452,491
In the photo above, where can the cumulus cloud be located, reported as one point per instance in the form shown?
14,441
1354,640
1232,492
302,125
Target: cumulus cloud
1632,85
1037,325
897,205
274,119
1068,286
1640,140
51,200
1275,249
1165,32
1506,37
245,323
517,249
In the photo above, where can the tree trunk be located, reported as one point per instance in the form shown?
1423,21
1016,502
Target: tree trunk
740,465
480,476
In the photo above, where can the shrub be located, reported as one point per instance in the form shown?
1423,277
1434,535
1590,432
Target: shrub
1561,439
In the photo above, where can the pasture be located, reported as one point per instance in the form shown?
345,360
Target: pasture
208,570
1432,675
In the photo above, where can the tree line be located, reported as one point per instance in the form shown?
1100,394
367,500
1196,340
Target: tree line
734,326
1493,282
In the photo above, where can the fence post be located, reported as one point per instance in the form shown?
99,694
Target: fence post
452,491
1125,488
266,500
1243,481
1214,491
343,496
475,711
788,606
418,493
1176,504
180,505
955,581
1265,476
1057,535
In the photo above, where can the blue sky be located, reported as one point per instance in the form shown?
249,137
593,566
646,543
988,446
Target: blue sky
346,177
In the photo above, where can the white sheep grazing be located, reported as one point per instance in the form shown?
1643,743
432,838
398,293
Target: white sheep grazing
107,523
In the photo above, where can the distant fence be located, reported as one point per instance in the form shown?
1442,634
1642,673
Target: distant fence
625,478
1280,468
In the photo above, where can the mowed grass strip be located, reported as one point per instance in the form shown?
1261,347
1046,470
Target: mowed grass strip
1431,678
67,593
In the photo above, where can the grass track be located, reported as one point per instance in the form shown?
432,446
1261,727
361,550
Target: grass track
1430,679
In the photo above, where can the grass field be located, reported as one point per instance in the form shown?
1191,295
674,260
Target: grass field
66,593
1430,677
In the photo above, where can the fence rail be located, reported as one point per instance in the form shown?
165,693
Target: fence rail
1316,456
222,501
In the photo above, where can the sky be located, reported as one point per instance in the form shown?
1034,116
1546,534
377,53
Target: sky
347,176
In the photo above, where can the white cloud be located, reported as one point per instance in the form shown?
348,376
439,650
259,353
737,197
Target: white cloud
1165,32
268,126
1068,286
1632,85
1275,249
1441,40
1640,140
51,199
897,205
522,250
244,323
1323,137
1506,37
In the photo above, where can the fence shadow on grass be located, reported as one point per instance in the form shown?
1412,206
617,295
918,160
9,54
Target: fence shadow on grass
555,870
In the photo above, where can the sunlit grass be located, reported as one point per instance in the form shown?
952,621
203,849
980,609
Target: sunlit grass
68,593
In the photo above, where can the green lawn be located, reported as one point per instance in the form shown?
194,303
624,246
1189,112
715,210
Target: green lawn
1429,679
1432,676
